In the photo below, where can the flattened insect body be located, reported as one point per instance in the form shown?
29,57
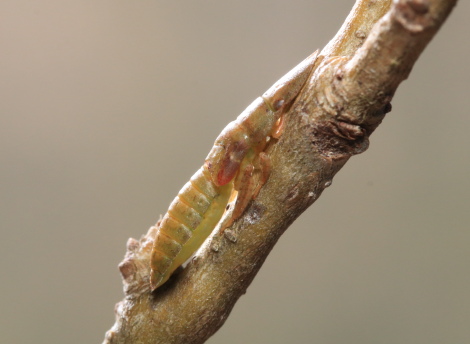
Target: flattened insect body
235,163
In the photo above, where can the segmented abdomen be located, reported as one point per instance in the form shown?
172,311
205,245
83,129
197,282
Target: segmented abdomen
190,219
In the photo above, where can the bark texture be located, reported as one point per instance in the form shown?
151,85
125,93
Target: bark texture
343,102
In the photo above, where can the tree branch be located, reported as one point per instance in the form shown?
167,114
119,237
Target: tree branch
343,102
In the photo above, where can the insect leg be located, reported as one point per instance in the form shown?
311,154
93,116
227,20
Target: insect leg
264,167
247,183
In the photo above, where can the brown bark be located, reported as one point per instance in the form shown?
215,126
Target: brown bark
343,102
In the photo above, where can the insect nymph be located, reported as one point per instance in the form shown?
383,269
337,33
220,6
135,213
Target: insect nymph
236,162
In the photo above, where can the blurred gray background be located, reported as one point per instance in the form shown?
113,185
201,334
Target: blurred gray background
108,107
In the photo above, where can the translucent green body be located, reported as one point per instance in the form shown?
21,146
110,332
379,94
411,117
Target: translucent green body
190,219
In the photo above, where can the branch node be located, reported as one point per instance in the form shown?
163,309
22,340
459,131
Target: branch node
360,34
230,235
215,246
419,6
413,15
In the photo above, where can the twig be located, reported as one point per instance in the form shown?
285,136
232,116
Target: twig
343,102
